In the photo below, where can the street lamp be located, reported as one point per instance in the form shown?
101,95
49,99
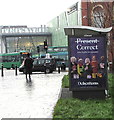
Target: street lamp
45,45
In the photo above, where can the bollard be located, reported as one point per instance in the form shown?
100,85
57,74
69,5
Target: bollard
2,72
16,70
45,68
59,69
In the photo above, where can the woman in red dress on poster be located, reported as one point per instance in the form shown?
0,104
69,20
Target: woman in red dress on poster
94,65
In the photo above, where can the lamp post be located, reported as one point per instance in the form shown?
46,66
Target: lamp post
45,45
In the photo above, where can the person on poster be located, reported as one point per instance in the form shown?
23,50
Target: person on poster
87,69
80,67
74,68
94,64
102,66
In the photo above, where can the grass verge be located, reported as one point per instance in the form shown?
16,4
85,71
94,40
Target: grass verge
76,108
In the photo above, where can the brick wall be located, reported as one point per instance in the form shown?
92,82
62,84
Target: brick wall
107,9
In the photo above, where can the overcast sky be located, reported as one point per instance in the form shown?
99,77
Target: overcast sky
32,13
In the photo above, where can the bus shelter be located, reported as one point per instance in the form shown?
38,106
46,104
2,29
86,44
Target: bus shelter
87,51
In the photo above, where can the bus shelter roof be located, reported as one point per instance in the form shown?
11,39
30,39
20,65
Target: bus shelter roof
85,30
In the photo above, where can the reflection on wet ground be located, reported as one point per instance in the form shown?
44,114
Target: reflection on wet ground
35,99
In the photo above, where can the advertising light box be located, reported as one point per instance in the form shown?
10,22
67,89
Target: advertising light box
88,62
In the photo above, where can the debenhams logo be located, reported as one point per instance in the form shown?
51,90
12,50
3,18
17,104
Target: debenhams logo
88,83
86,44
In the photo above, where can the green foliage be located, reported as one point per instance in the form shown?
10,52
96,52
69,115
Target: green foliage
65,81
112,93
110,83
76,109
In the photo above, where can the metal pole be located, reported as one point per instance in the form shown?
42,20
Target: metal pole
59,69
45,68
16,70
77,11
2,73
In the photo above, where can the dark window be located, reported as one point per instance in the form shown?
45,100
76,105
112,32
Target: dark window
48,61
13,58
17,58
40,61
9,59
5,59
35,62
0,58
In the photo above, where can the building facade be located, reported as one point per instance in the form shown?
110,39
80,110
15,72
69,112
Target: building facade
86,13
71,17
19,38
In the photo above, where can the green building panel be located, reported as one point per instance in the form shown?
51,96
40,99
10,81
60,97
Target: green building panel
56,25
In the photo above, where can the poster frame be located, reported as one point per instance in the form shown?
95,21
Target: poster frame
69,53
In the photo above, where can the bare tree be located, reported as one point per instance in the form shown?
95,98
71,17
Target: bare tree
102,15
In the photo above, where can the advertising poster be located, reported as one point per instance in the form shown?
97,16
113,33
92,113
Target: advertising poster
88,62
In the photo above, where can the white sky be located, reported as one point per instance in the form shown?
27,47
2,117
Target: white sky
32,13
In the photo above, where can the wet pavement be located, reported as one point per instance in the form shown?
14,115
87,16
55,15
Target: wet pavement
37,99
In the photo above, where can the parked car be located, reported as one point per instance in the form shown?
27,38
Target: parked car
41,65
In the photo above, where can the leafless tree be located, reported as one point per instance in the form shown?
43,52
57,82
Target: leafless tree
102,15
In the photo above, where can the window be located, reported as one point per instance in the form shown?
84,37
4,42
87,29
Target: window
5,58
35,62
13,58
0,58
47,61
56,49
58,22
9,59
50,49
41,61
17,58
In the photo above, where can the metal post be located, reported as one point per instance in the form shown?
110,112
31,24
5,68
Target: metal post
16,70
59,69
2,73
45,68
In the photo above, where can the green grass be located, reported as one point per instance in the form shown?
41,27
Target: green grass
76,108
65,81
110,83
